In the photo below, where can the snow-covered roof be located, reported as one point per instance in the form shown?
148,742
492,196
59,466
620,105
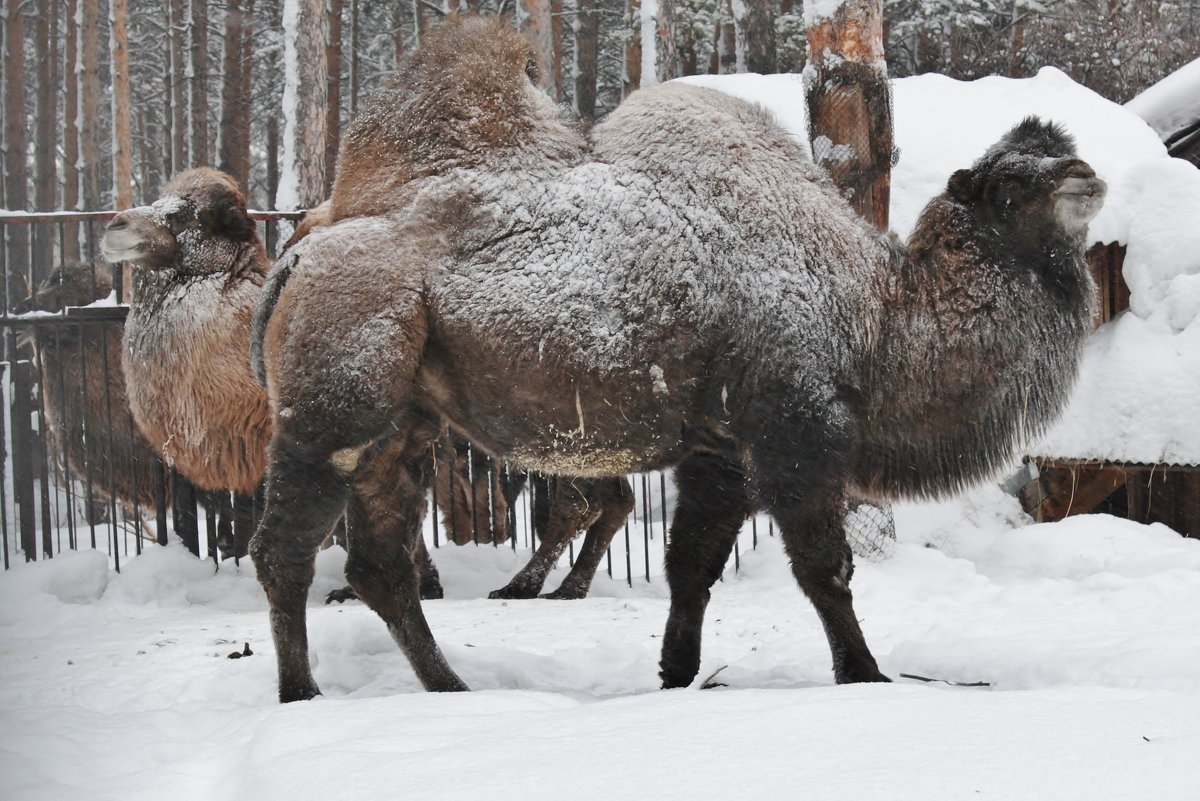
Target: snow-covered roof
1173,103
1138,397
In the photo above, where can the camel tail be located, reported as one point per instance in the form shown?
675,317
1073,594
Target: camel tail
272,288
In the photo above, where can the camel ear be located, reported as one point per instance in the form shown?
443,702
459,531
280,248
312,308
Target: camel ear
228,217
959,185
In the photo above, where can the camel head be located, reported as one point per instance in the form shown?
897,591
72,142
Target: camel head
1031,185
198,226
73,284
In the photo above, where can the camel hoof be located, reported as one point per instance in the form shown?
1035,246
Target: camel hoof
565,594
864,675
511,593
342,595
305,692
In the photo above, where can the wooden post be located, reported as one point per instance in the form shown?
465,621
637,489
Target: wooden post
849,102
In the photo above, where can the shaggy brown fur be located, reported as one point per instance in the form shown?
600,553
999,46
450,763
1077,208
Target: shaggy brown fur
83,392
198,265
692,293
475,500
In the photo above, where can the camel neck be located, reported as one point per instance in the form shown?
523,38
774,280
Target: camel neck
975,355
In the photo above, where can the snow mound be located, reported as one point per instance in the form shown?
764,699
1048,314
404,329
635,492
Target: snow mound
72,577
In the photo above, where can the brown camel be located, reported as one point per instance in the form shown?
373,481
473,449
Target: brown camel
683,288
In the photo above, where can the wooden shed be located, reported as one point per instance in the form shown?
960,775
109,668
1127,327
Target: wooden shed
1062,483
1172,108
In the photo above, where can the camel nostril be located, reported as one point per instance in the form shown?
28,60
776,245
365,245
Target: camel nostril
1080,170
117,223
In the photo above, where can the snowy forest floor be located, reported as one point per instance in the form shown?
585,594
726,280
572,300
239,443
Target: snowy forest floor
1088,632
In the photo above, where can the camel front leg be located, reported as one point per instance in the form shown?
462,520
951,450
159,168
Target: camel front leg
713,503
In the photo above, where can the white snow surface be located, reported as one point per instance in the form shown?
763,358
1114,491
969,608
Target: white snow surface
1138,396
118,686
1173,103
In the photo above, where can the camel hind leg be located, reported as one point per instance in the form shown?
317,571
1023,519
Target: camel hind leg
305,495
384,566
801,480
614,498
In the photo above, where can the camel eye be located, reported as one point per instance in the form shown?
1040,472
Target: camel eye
531,68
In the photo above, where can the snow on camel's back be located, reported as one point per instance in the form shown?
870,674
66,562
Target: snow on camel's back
685,289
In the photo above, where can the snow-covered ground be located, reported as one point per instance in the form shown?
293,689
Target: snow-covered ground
119,686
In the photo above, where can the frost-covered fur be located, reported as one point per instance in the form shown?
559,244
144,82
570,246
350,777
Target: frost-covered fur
689,290
83,392
198,265
475,500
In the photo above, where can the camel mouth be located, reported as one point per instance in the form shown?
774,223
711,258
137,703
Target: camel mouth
121,246
1078,200
1082,187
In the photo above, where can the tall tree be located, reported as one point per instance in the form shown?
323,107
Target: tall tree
70,180
89,104
537,23
660,55
757,23
179,98
333,103
557,90
631,80
122,135
46,127
422,14
198,52
849,102
16,190
234,132
302,177
587,42
354,57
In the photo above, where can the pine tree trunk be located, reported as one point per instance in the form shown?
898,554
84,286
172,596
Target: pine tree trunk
354,56
302,177
199,63
46,130
537,25
421,14
16,191
726,41
758,24
632,79
89,105
556,48
666,64
849,104
398,34
179,98
273,161
333,103
587,39
246,96
122,134
70,179
737,12
234,108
